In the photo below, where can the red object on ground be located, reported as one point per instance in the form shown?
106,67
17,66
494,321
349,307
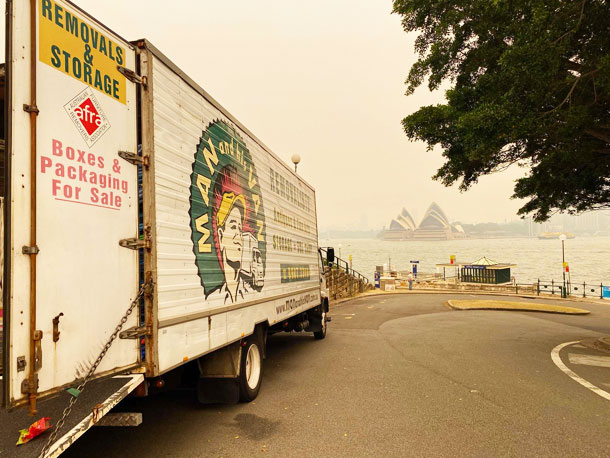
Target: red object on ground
35,429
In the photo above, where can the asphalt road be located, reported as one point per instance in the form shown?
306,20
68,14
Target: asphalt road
397,376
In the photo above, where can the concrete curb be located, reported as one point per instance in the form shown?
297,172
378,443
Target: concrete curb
475,292
558,309
422,291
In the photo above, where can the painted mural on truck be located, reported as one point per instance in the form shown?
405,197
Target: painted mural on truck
227,216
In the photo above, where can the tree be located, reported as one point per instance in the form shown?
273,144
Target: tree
530,85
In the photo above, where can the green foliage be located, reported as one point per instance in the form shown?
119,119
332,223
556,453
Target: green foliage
530,85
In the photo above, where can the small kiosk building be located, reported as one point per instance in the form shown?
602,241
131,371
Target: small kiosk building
486,271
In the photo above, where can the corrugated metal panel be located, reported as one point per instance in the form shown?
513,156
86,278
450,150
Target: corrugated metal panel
245,233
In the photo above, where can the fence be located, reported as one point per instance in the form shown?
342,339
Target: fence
341,279
539,287
571,289
343,265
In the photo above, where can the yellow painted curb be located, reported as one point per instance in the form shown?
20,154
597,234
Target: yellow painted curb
514,305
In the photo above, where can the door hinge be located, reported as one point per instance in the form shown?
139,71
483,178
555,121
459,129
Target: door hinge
132,76
134,159
30,250
37,338
135,332
29,388
21,363
135,243
56,331
30,108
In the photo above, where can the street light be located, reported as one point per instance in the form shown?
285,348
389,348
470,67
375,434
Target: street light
563,238
295,160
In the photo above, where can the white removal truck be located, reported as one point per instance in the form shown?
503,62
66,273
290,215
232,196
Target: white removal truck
131,196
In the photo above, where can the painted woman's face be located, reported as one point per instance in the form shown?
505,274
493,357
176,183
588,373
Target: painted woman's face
229,236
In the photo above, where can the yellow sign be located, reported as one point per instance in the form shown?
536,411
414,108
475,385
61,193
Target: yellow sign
565,264
74,47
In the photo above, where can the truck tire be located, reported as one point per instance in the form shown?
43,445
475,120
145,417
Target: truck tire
319,335
250,370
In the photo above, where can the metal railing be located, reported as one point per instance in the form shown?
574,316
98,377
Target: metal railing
571,289
343,265
552,287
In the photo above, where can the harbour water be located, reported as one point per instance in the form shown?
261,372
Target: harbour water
588,257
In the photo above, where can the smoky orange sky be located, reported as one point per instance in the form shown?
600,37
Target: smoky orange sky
324,79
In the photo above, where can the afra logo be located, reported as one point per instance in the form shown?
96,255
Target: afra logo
227,216
87,115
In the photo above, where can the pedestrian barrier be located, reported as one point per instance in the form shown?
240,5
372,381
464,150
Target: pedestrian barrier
341,279
572,289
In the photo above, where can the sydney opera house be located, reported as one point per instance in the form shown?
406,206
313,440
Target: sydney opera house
433,226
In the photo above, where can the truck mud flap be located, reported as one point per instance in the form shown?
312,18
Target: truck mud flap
96,400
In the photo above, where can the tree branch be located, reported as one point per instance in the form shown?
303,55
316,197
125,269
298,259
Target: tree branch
576,81
578,78
599,135
573,65
582,13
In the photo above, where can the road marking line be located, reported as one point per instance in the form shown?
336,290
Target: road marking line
559,363
589,360
579,346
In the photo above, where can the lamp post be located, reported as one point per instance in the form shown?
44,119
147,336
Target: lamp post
295,160
563,238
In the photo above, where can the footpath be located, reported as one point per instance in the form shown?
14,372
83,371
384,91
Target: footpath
539,303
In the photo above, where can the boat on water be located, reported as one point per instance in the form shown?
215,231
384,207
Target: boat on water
554,235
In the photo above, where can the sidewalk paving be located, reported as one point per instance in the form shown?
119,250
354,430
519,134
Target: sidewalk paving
378,292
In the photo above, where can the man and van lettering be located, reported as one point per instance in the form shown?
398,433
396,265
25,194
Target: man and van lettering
74,47
291,304
227,216
88,117
294,272
288,245
83,177
284,188
291,222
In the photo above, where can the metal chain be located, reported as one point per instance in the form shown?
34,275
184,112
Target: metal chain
97,362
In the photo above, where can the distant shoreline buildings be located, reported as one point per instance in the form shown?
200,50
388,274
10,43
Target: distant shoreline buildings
433,226
590,224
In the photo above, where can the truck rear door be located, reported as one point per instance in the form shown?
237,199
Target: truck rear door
70,197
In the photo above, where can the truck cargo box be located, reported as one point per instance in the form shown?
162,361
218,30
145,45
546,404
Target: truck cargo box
232,229
131,196
144,227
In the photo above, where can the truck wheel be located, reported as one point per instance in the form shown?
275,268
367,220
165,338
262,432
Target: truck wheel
251,370
321,334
